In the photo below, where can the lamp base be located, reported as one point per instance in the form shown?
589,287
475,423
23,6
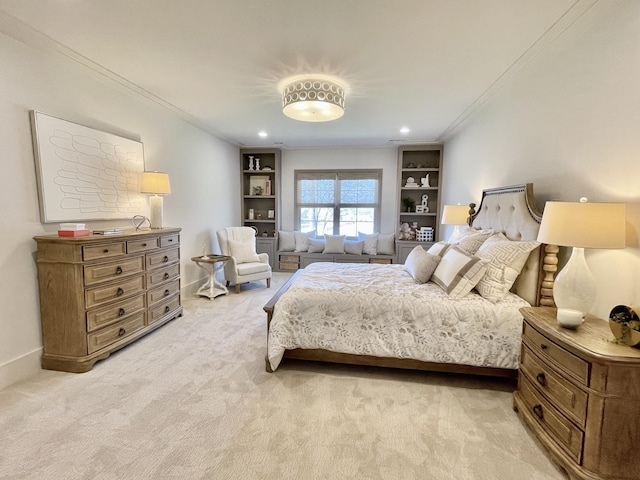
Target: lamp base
574,289
155,211
569,318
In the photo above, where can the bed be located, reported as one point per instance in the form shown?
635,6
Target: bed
372,314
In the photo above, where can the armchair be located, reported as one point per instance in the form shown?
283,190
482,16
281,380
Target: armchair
245,265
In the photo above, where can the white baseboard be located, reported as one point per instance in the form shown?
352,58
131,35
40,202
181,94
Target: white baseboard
20,368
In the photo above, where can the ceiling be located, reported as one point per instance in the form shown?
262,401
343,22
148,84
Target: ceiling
422,64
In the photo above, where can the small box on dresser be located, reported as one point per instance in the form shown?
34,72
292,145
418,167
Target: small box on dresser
579,392
100,293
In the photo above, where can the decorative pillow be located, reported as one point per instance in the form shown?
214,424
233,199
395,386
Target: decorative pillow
334,243
302,241
316,246
286,241
505,260
243,251
421,264
354,248
370,243
470,242
458,272
386,244
439,248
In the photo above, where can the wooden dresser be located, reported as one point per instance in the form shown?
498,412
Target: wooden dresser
580,394
100,293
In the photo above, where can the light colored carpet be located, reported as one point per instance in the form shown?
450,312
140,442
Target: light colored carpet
193,401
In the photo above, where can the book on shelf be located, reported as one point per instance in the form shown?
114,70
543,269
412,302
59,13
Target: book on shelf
72,226
109,231
74,233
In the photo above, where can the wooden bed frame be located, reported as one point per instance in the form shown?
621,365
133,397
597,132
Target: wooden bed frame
511,210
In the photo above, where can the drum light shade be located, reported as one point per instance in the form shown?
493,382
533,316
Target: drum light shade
312,98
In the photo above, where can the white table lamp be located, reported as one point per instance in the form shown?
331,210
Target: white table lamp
455,215
580,225
157,184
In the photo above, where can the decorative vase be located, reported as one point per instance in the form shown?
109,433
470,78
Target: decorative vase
250,162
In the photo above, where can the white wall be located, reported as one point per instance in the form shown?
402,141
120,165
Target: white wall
568,122
198,163
342,158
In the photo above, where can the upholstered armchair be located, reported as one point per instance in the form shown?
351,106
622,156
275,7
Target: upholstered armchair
245,265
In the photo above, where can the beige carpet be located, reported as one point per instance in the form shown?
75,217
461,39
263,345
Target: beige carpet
193,400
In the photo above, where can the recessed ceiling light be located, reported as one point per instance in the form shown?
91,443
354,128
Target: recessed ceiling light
262,134
405,130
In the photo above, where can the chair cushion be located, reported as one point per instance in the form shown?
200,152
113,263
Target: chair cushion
243,251
251,268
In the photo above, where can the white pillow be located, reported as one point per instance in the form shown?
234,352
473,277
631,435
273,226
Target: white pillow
302,241
505,260
316,246
386,244
286,241
354,248
334,243
370,243
458,272
470,242
439,248
421,264
243,251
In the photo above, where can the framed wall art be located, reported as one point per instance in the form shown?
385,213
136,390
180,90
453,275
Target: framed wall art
85,174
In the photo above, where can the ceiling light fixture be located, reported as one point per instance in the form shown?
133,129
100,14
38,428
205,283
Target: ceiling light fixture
312,98
262,134
404,130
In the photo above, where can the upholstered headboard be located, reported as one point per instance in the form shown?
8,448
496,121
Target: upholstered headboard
513,211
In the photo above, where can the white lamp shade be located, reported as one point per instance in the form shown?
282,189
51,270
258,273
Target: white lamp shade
155,182
455,215
583,224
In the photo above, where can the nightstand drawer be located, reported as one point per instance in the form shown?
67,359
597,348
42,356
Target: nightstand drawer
561,429
104,316
569,398
109,335
552,353
104,272
108,293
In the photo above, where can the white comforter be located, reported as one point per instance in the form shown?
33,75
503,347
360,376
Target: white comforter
379,310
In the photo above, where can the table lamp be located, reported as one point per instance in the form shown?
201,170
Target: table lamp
580,225
157,184
455,215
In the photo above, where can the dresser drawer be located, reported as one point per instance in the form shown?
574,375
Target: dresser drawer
163,258
163,309
548,350
104,316
569,398
561,429
111,334
144,245
157,294
115,291
169,240
161,275
96,252
104,272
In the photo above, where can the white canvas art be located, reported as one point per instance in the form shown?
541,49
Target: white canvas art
85,174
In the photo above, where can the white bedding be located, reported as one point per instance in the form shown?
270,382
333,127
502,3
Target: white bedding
378,310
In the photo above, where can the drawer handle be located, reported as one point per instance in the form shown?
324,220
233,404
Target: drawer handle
165,259
537,409
170,240
166,309
119,292
121,312
166,292
543,346
166,275
118,270
106,250
121,332
542,380
144,244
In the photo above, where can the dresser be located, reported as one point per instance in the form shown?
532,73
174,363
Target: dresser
100,293
580,394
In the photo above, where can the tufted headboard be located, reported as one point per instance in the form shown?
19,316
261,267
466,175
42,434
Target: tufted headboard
512,211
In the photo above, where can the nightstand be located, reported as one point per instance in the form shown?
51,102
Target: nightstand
580,394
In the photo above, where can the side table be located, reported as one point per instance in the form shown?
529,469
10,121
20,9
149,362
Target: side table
212,287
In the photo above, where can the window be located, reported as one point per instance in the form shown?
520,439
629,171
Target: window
338,202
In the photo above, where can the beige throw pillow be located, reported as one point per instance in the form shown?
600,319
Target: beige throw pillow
243,251
421,264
